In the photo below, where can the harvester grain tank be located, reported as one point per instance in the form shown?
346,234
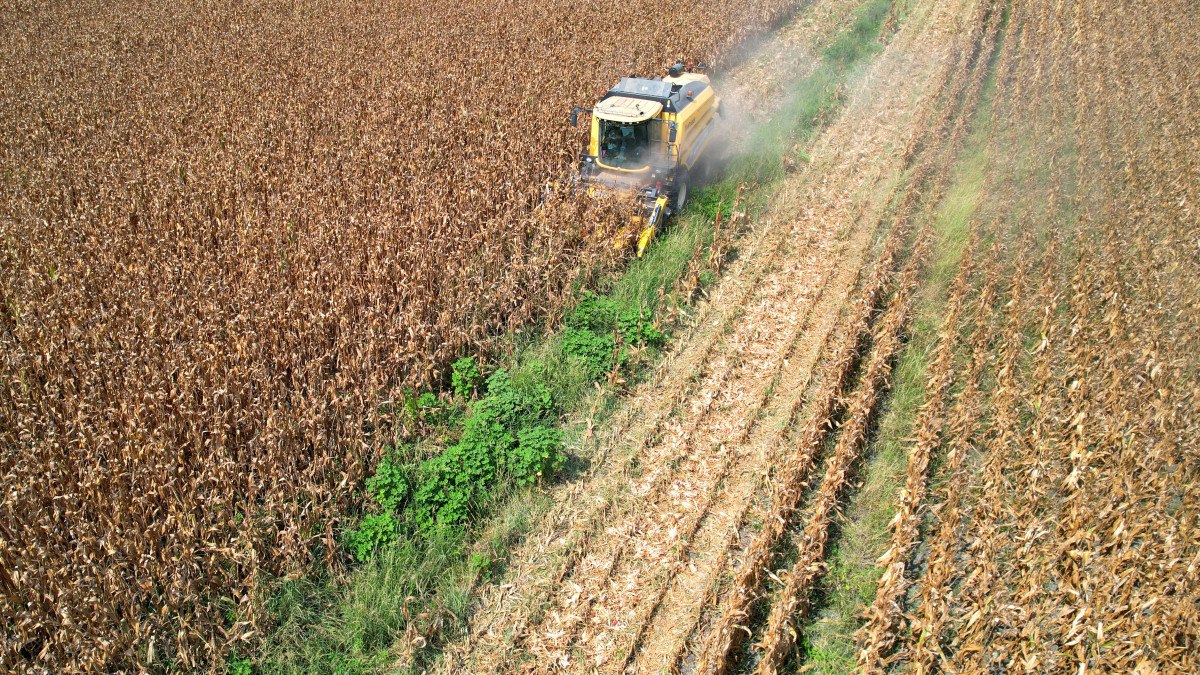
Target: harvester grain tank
650,135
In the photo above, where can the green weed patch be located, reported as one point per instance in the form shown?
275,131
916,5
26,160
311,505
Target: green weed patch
600,333
508,436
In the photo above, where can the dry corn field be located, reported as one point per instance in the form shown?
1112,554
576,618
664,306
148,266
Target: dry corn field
232,234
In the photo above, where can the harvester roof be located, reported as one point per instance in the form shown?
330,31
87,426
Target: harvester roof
643,88
666,92
627,109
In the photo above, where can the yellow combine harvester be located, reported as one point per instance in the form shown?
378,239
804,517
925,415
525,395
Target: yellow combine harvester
650,135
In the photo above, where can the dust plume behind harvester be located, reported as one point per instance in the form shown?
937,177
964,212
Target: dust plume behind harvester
650,135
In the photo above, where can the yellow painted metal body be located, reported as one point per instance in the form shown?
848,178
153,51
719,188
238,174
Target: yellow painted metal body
693,134
691,124
653,222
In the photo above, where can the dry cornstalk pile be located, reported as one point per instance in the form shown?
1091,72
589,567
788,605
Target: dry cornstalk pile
229,234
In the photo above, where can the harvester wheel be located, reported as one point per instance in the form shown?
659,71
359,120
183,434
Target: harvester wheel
681,192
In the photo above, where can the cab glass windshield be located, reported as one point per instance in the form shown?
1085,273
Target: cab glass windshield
624,146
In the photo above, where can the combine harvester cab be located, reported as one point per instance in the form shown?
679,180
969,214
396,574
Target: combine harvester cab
649,136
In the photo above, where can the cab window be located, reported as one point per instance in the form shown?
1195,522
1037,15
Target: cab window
625,146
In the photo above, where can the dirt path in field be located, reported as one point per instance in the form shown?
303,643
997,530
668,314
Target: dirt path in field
623,572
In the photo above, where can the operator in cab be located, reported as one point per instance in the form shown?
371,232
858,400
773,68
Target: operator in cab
622,146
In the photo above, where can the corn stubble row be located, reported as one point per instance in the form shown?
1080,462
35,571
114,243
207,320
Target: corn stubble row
891,587
882,313
1062,536
229,234
727,631
930,180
